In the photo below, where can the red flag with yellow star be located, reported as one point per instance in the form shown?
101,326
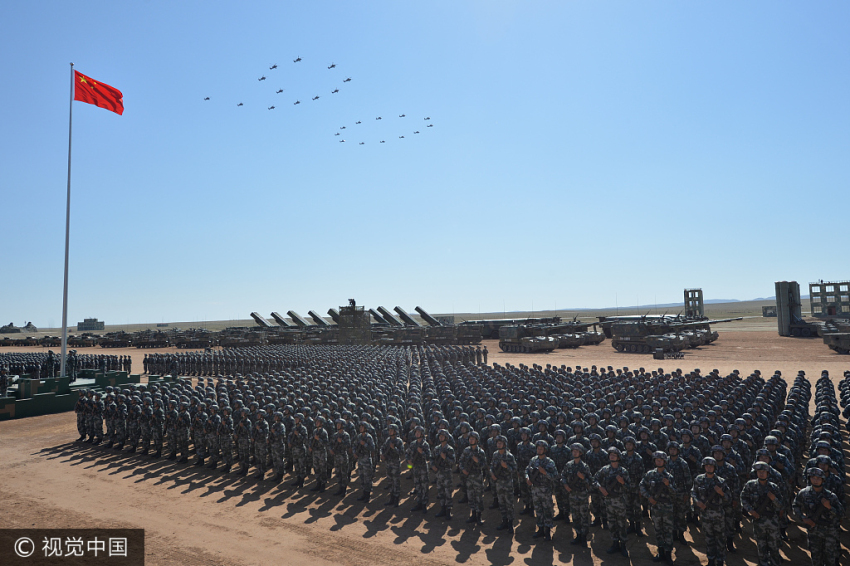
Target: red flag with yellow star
102,95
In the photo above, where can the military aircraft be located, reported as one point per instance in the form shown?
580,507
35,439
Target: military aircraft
334,91
416,132
382,141
341,141
297,59
240,104
362,143
430,125
279,91
207,98
296,102
272,67
348,80
336,134
316,97
401,137
378,118
342,127
357,122
271,107
428,118
401,115
332,66
262,78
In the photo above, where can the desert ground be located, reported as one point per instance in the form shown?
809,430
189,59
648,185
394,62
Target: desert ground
199,516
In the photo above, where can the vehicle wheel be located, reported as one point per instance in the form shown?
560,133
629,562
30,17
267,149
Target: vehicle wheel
807,333
632,348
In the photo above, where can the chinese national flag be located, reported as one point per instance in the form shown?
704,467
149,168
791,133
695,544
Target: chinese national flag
102,95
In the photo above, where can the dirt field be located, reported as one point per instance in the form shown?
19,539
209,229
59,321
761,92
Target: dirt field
197,516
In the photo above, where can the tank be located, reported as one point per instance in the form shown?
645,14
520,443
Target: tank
569,340
838,341
526,339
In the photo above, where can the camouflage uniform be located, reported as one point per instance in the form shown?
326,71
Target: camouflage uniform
225,439
504,483
713,517
579,493
97,420
260,438
363,448
171,417
475,478
560,454
391,452
633,463
133,430
683,481
597,459
342,462
442,460
652,486
120,422
297,443
542,489
319,450
198,425
157,424
211,435
766,527
615,501
243,442
184,423
277,445
823,538
525,451
145,425
419,461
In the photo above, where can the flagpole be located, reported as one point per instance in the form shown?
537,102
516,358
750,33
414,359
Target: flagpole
67,233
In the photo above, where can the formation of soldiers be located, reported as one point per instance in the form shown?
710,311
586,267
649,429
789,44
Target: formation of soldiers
40,365
608,447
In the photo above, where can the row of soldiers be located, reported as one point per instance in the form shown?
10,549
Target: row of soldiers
39,365
341,406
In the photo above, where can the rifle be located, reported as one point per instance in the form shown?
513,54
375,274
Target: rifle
816,516
764,502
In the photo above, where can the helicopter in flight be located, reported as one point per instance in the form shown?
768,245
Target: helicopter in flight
296,102
401,115
382,141
430,125
262,78
362,143
296,60
401,137
207,98
271,107
273,67
279,91
240,104
316,97
334,91
428,118
378,118
358,122
332,66
341,141
416,132
348,80
342,127
336,134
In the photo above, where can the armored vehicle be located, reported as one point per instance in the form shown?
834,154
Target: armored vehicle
526,338
569,340
838,341
669,334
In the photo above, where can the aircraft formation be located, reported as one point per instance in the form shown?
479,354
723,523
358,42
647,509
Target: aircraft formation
315,98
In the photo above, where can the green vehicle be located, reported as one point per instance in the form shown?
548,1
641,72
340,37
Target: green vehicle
526,339
838,341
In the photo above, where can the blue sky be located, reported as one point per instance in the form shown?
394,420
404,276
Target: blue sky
582,153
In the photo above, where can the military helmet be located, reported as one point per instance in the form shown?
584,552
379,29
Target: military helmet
578,446
393,427
761,466
709,461
771,441
475,435
542,443
614,450
815,471
658,454
717,448
502,439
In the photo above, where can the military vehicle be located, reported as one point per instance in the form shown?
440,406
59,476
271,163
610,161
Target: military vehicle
84,341
650,334
490,327
569,340
838,341
526,338
116,340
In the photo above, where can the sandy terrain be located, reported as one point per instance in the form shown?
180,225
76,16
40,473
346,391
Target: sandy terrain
198,516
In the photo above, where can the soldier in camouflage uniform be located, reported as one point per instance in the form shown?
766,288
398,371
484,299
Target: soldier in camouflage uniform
711,494
277,446
319,450
391,455
418,455
260,440
184,424
821,512
473,462
633,463
157,427
341,452
364,446
211,436
541,475
525,451
683,481
243,442
577,480
225,438
597,459
109,417
133,430
171,416
297,443
145,424
560,454
503,467
443,458
762,499
80,410
659,489
198,423
120,422
612,480
725,470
